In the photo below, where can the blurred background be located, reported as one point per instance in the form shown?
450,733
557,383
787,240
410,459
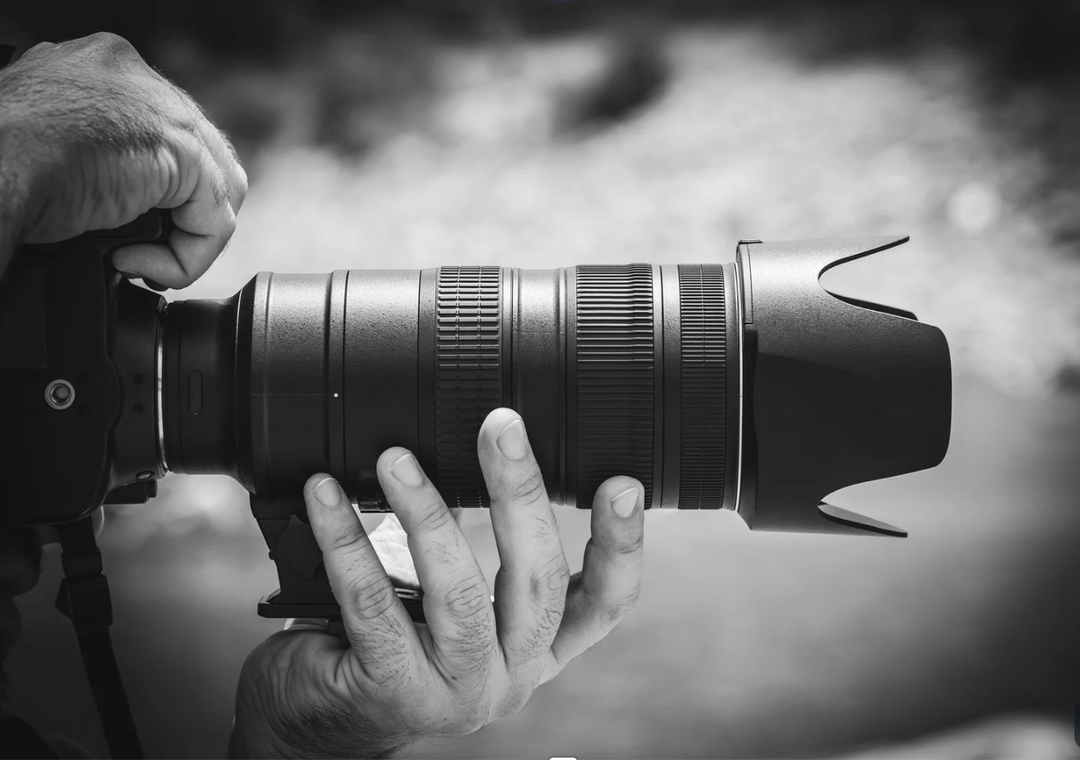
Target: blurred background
544,134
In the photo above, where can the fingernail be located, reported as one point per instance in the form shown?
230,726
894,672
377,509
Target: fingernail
512,440
407,471
327,492
625,503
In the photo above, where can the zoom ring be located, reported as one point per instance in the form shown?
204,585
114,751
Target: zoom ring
704,392
468,384
615,376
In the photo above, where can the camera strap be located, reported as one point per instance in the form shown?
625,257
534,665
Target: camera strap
84,598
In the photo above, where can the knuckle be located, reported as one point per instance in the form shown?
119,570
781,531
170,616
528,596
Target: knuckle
467,599
115,46
550,581
619,608
371,597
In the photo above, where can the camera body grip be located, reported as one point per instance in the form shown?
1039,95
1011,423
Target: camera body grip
77,371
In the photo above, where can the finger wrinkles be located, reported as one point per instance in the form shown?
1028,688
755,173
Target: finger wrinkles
614,610
547,583
346,539
434,518
444,552
632,545
539,573
185,151
170,176
612,606
468,599
530,490
373,595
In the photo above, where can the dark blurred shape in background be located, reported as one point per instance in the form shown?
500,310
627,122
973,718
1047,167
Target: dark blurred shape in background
548,133
633,76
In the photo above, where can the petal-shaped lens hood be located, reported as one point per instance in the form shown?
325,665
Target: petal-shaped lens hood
837,391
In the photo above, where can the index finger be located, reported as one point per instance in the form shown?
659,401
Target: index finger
457,603
378,626
203,218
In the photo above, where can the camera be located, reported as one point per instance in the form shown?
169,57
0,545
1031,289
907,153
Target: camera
741,385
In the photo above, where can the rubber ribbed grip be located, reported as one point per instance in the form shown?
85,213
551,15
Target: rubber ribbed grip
704,392
615,376
468,384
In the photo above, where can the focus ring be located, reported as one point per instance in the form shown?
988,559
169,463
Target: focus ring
468,383
704,393
615,376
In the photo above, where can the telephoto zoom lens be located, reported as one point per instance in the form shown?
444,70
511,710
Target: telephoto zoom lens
740,386
614,369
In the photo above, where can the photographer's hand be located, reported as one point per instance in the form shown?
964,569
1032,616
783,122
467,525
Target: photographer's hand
91,137
302,694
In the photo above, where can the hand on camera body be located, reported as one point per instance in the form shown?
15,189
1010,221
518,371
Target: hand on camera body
91,137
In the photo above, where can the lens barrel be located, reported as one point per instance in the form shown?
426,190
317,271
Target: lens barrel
741,386
615,370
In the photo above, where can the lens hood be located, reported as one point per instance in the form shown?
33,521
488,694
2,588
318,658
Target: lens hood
836,391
